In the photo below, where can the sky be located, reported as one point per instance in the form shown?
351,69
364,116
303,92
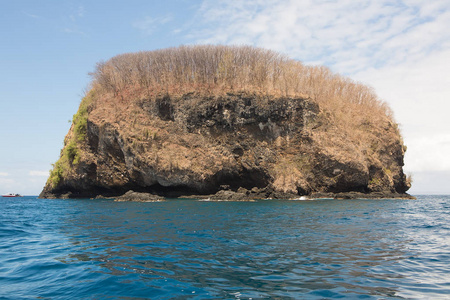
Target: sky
401,48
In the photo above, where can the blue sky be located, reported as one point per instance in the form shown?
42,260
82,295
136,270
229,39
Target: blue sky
47,49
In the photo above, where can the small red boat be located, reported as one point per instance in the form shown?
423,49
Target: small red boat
10,195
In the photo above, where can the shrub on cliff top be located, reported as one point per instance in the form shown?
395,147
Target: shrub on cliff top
218,69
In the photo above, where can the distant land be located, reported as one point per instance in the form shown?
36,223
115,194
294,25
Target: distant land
227,122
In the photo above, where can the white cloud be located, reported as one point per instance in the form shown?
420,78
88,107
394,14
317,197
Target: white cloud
70,22
429,153
148,25
39,173
31,15
19,182
80,11
6,184
76,13
345,35
426,183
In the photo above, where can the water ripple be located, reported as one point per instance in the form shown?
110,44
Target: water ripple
185,249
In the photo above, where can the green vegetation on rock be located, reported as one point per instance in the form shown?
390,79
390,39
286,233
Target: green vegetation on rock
80,118
56,174
72,151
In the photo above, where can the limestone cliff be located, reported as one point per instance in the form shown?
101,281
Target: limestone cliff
197,140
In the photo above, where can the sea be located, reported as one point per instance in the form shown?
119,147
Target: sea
192,249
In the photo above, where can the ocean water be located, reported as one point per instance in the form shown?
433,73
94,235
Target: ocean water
188,249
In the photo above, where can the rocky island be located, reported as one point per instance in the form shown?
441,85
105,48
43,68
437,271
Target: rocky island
227,122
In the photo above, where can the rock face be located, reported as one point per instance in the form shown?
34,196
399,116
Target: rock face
199,144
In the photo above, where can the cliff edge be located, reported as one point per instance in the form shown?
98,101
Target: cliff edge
207,120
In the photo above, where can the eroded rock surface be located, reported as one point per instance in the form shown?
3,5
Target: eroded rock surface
196,144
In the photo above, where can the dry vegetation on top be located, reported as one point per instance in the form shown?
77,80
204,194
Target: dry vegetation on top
219,69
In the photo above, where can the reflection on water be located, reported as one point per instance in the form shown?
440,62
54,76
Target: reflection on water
181,249
263,249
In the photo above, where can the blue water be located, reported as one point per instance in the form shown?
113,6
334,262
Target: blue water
187,249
